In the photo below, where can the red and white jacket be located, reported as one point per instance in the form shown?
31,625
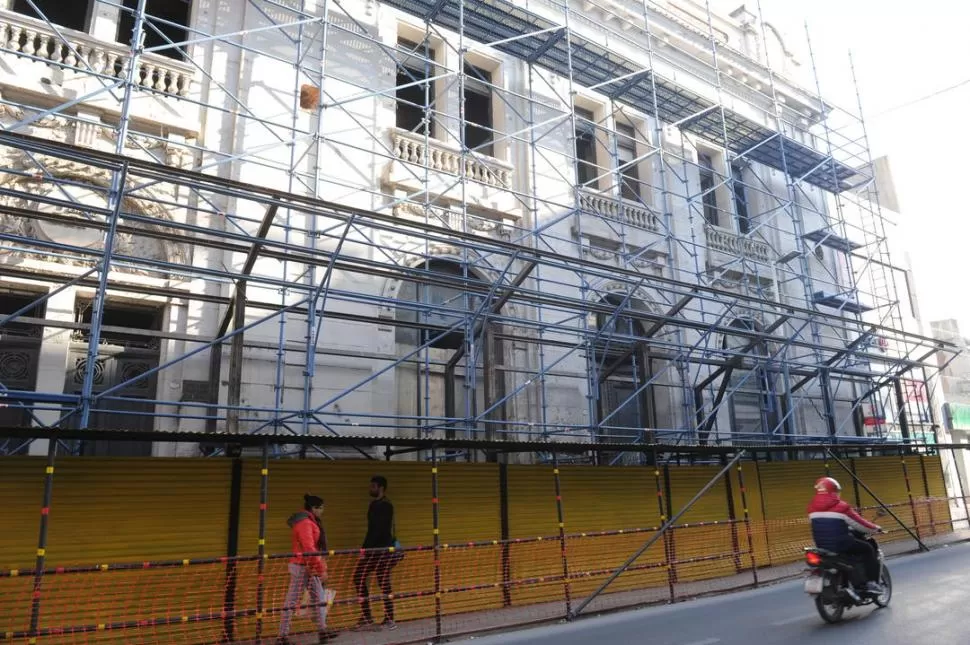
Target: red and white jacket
305,535
832,519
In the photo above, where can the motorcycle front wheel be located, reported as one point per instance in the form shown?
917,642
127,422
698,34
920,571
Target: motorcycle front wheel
887,583
831,611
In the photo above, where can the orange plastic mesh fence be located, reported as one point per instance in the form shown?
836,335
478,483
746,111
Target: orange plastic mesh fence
457,588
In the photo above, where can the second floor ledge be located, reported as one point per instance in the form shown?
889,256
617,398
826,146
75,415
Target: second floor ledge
741,246
439,156
619,210
82,53
419,166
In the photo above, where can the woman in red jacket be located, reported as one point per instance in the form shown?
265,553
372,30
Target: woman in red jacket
307,567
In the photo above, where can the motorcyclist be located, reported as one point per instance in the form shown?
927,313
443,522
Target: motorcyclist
833,522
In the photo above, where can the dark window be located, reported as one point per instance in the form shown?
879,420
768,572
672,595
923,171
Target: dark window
707,188
626,152
753,401
478,110
13,302
121,316
740,200
73,14
415,102
20,343
436,307
157,30
625,405
585,148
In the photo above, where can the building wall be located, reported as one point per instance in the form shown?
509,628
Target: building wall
241,118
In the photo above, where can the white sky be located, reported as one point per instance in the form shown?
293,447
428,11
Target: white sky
902,51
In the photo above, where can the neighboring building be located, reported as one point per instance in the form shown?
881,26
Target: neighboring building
713,169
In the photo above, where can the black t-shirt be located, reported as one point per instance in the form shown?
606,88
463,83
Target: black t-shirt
380,522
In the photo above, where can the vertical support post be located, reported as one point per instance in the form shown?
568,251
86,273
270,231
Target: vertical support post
42,539
747,522
926,490
855,484
672,551
436,542
261,543
764,507
963,492
909,493
827,404
503,491
901,406
236,360
562,534
661,506
232,551
732,516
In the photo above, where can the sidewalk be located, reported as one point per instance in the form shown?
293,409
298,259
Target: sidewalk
463,624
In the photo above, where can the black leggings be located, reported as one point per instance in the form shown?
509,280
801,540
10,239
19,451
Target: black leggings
381,563
863,551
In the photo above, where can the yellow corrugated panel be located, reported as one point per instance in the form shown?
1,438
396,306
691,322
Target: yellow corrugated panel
884,475
532,513
787,488
750,501
611,499
693,542
934,515
344,487
21,497
108,511
469,510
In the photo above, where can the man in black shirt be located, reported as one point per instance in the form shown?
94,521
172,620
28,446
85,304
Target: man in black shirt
380,535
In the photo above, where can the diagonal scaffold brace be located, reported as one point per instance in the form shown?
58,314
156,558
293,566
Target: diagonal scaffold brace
656,536
922,546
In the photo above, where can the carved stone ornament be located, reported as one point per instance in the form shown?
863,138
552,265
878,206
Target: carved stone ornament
641,298
64,188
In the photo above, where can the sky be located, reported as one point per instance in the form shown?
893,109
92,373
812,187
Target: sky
902,52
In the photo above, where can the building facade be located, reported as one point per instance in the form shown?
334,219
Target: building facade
604,220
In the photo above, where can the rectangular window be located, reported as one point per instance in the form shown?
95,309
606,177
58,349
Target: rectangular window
416,102
478,110
626,152
707,188
165,24
586,170
73,14
740,200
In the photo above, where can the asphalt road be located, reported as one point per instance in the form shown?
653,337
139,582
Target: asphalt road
931,594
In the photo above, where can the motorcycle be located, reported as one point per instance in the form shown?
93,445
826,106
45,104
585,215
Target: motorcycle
830,581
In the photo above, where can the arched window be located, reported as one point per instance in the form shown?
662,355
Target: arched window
622,365
752,399
444,387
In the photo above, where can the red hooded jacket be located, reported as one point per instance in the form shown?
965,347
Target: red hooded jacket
831,518
305,535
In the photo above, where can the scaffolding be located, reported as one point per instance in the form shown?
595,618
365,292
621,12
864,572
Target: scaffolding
531,220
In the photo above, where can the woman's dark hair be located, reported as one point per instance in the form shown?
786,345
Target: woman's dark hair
312,501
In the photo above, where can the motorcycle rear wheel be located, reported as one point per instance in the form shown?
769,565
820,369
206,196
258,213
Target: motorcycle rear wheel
887,583
830,612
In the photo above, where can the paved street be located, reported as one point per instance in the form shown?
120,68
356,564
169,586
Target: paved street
931,594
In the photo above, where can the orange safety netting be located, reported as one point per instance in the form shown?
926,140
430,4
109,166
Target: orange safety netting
431,591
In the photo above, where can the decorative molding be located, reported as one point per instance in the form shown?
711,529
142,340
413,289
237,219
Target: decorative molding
40,173
452,219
